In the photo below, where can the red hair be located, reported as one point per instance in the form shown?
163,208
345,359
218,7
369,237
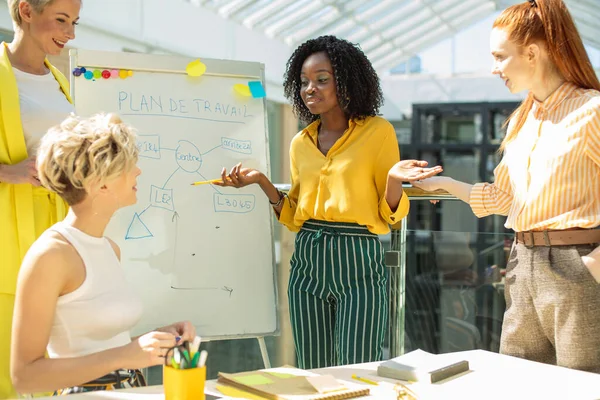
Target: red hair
547,22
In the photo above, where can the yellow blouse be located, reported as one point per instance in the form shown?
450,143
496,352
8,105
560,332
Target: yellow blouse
348,184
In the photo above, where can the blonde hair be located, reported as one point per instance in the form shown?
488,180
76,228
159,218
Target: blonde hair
37,5
80,152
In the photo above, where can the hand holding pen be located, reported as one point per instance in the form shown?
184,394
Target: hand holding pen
187,355
184,330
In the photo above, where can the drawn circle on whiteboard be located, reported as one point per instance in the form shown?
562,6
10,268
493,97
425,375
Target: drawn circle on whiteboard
188,156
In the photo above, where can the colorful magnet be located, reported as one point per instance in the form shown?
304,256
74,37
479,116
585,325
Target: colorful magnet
122,74
242,89
97,74
88,75
76,72
130,73
106,74
195,68
83,70
257,90
114,73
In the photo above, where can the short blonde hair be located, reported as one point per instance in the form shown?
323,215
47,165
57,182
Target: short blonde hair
80,152
37,5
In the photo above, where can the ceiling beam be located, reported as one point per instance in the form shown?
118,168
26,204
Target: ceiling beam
231,9
346,12
293,18
413,47
267,12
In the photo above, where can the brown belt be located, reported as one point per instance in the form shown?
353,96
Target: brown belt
558,238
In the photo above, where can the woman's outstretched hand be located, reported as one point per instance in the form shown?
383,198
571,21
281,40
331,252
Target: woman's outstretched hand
239,177
412,170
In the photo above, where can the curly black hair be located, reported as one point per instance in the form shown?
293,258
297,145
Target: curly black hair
358,90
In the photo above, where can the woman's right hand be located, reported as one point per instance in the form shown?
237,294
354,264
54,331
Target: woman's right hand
239,177
148,350
23,172
431,184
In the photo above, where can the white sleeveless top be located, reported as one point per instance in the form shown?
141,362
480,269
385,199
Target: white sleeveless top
98,315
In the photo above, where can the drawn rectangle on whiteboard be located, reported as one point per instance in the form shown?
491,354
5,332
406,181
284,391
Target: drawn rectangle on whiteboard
185,255
149,146
239,146
234,203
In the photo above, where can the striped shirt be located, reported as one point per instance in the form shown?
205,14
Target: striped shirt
549,177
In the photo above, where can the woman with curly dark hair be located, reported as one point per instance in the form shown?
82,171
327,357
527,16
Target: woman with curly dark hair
346,190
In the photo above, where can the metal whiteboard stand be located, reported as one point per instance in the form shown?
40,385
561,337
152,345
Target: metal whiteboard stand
263,351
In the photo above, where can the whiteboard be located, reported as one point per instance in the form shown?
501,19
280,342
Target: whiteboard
199,253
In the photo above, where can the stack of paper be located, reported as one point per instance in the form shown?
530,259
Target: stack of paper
421,366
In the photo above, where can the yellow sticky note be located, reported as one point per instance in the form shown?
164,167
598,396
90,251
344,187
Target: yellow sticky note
325,383
255,379
237,393
195,68
242,89
281,375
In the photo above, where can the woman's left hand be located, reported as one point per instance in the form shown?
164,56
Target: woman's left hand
183,329
412,170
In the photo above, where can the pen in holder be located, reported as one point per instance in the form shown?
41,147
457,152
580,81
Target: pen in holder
184,374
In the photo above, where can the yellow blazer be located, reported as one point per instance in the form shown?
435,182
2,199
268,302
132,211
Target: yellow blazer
17,205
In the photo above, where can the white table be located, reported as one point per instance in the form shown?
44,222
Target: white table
491,376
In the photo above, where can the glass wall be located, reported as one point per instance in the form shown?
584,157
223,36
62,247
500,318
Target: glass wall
454,261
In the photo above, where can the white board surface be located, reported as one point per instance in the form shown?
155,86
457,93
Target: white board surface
200,253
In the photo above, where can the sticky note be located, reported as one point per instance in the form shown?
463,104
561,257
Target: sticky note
242,89
256,379
257,90
195,68
281,375
237,393
325,383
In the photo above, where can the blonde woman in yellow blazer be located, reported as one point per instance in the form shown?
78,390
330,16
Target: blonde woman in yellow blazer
32,92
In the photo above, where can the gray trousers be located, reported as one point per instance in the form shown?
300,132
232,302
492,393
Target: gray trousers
552,307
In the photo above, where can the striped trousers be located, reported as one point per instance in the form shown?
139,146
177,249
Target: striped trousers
337,295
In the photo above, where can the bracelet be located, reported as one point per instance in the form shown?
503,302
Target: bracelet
278,203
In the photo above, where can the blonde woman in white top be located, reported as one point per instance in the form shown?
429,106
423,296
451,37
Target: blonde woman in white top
72,299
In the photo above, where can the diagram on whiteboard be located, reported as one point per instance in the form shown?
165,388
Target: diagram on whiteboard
188,160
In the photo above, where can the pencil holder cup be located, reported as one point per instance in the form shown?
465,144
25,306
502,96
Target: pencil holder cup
184,384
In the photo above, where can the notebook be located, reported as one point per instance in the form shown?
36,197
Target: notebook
421,366
287,384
